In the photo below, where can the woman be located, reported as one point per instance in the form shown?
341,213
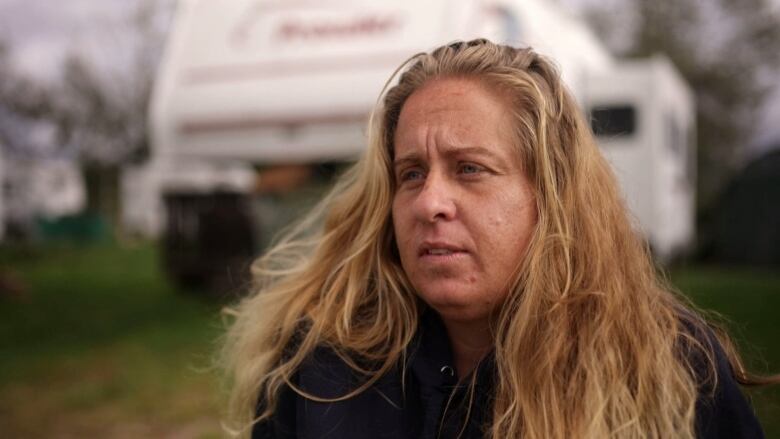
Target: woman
476,275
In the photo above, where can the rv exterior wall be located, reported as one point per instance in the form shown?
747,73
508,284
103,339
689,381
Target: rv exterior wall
267,82
653,164
677,167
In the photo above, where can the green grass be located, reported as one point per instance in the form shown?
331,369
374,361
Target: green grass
101,345
749,302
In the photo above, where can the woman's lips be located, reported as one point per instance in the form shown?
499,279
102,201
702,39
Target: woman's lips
441,252
442,257
439,248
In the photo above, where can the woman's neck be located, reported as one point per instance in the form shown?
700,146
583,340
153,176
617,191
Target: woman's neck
470,342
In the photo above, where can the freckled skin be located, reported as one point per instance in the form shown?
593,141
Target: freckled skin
459,180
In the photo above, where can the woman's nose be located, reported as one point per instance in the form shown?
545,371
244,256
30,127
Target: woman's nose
435,201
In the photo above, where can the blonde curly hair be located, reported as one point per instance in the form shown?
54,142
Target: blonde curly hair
590,343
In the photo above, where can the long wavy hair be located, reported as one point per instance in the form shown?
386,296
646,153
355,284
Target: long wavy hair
591,342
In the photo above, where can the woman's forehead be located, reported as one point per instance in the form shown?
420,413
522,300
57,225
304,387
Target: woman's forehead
453,115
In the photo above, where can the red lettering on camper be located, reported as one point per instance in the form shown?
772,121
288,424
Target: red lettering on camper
296,29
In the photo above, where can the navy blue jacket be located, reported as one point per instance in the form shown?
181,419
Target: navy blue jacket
387,410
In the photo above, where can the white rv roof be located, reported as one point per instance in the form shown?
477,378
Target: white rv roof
294,80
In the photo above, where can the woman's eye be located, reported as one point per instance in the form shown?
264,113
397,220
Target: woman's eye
469,168
411,174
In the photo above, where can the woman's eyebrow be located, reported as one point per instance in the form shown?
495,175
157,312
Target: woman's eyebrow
415,156
412,158
470,150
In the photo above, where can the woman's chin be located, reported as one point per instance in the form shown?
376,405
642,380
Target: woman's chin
457,304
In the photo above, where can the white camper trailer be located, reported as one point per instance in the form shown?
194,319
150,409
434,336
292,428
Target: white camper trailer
262,82
644,120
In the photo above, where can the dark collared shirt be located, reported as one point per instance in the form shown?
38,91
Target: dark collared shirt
426,401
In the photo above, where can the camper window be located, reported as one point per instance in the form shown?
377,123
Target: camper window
613,120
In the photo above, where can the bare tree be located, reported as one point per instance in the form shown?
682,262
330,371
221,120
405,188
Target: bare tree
23,103
97,107
104,110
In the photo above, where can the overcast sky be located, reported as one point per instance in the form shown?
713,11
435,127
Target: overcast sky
42,31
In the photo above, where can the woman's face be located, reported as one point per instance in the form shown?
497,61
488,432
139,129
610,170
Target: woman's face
463,211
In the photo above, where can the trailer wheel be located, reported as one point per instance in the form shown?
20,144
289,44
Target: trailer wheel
209,242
